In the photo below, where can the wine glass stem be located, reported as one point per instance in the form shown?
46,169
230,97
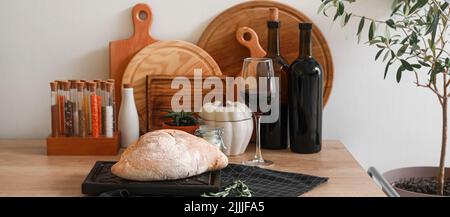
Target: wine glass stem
258,155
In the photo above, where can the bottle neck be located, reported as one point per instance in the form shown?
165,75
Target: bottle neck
273,47
305,44
127,95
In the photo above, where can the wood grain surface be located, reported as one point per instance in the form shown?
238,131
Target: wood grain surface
219,38
159,96
121,52
26,170
83,145
248,38
165,58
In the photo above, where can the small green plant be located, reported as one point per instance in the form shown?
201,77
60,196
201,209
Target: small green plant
238,186
181,118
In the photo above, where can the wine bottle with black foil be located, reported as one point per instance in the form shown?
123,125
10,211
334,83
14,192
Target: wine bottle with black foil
305,98
275,135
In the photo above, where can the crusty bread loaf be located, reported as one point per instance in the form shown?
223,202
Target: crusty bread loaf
168,155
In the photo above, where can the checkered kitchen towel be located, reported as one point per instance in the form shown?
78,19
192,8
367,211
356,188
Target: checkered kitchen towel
270,183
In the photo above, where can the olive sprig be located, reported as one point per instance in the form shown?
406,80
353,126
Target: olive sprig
238,186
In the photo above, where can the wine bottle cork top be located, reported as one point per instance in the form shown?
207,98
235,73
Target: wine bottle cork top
53,86
274,14
97,80
126,86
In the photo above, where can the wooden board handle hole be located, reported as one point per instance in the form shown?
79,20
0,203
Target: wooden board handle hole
142,16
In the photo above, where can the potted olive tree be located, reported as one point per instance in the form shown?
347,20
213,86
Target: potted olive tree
414,40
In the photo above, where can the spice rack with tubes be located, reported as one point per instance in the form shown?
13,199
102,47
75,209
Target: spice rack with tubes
84,119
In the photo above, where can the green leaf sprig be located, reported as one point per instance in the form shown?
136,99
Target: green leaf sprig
238,186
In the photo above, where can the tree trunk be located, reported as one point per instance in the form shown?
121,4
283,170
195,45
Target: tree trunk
441,177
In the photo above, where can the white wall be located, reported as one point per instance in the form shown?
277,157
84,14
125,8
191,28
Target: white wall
382,123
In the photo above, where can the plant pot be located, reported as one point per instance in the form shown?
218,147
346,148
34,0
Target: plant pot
187,129
395,175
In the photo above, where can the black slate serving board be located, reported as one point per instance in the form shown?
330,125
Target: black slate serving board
101,180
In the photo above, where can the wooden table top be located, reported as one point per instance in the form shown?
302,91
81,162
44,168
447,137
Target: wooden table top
26,170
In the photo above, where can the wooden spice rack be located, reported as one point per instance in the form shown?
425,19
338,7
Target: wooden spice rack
74,146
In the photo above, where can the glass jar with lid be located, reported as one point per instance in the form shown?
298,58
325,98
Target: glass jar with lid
213,135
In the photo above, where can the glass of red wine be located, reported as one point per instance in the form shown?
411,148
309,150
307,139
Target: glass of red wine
263,88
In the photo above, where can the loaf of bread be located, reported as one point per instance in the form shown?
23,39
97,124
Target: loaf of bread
168,155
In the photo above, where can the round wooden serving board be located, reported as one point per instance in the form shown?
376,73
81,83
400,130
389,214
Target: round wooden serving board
165,58
219,38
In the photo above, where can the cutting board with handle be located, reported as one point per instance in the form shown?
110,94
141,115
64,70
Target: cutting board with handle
165,58
121,52
219,38
248,38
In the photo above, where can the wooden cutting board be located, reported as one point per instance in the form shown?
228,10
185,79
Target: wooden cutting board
248,38
121,52
159,95
165,58
219,38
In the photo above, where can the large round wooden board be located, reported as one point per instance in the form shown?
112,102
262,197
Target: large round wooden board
219,38
168,58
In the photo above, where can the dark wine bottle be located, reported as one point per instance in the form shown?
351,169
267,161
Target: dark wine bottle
305,98
275,135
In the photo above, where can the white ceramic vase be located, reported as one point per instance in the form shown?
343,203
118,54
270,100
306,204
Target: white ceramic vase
128,118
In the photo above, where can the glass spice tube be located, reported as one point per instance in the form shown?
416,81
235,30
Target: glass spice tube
74,101
54,108
60,104
68,111
97,86
81,110
87,108
57,104
103,94
109,110
113,98
97,93
99,106
94,110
